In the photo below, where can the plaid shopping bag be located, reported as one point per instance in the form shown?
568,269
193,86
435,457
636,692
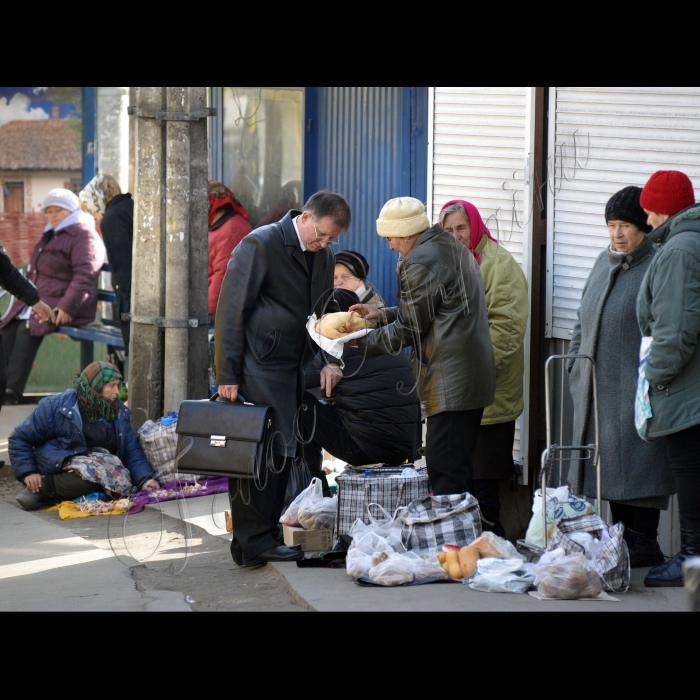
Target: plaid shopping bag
432,523
159,444
386,487
613,563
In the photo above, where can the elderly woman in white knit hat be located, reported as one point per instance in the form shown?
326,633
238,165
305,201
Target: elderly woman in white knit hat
65,267
442,316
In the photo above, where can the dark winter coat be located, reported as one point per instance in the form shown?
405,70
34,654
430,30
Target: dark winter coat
13,281
54,434
118,234
442,315
607,331
378,403
224,238
65,268
262,344
669,312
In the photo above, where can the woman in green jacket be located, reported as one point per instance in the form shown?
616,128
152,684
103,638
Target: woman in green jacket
668,311
508,305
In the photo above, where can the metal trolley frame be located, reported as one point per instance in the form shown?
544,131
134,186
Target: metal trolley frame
556,455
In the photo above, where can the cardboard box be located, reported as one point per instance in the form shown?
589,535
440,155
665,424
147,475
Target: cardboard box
310,541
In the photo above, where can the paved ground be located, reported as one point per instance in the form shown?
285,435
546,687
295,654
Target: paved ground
176,558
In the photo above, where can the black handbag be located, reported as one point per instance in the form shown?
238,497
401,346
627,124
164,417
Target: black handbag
224,439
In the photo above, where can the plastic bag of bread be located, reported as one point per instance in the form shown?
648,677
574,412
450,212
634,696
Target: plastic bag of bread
402,569
319,515
490,545
334,326
312,495
567,577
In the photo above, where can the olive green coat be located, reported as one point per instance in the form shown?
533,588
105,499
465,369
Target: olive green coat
668,310
508,304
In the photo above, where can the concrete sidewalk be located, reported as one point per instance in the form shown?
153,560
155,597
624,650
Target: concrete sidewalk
331,590
44,569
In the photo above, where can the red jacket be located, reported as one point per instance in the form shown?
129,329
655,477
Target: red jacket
66,270
222,242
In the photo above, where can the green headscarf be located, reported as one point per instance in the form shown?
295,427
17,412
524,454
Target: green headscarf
88,386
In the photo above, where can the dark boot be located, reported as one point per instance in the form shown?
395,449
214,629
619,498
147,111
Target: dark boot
29,501
671,575
488,493
645,552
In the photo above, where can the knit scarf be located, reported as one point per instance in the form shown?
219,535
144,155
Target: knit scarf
220,196
479,229
94,407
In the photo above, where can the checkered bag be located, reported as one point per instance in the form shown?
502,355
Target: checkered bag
613,563
356,492
431,523
159,444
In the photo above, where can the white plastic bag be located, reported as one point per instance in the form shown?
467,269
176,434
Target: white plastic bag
642,408
497,575
306,499
319,515
490,545
402,569
368,550
567,577
561,503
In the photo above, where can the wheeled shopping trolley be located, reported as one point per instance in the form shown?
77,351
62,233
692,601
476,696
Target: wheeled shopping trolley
556,456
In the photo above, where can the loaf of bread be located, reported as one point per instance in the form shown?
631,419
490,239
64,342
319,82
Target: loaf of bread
334,326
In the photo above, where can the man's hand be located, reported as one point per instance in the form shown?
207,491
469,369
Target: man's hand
369,313
229,392
330,378
151,485
63,318
44,313
34,483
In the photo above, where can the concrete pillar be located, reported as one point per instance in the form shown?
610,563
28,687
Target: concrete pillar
170,253
113,133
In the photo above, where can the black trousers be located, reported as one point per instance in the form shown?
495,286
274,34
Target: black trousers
256,513
450,450
67,487
645,521
21,349
684,459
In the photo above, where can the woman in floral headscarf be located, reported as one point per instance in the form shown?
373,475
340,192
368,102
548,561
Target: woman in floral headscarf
80,442
508,305
229,224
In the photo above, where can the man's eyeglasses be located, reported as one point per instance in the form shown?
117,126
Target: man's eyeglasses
322,239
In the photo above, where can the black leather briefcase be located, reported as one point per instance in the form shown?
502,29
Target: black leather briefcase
225,439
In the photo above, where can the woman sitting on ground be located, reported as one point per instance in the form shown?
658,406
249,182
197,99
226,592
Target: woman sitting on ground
79,443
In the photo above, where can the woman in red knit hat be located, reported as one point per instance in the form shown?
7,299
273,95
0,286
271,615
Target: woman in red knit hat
669,312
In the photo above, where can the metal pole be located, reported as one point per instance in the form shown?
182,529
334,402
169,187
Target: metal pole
148,295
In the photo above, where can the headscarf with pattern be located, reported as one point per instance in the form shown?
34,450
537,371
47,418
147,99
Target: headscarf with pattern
94,407
220,196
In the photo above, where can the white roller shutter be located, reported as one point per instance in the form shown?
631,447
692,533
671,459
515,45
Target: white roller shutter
603,139
480,146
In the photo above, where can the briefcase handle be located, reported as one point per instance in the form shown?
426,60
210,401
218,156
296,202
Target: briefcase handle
241,399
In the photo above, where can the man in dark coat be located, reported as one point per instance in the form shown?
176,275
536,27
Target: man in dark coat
14,282
278,276
374,410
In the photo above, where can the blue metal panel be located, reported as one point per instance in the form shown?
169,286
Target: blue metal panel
89,141
369,144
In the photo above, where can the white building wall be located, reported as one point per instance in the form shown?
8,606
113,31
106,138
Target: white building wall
113,133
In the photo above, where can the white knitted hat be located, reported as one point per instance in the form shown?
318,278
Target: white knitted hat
402,218
64,199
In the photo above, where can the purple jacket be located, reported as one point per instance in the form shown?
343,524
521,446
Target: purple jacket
65,268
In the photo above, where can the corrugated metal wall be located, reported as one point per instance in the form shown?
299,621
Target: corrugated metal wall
367,143
604,139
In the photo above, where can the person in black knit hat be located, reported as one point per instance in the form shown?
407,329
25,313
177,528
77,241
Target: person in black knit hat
351,272
636,477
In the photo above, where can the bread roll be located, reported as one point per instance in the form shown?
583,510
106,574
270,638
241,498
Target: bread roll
334,326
